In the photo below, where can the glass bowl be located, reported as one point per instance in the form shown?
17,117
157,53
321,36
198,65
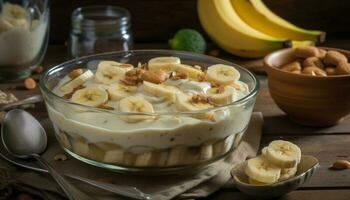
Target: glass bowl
24,34
173,141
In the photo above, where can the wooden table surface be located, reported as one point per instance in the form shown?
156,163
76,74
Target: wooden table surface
327,144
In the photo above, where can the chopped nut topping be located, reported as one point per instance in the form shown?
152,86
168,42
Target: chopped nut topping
201,99
220,89
60,157
177,76
142,66
133,77
75,73
156,76
202,77
107,107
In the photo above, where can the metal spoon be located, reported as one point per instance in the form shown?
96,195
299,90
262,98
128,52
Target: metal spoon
24,137
29,100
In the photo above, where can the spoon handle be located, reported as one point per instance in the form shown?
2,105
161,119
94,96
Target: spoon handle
70,190
29,100
127,191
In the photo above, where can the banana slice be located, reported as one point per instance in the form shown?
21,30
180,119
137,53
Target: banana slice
63,138
222,95
135,104
255,182
80,147
96,153
90,96
206,152
118,91
184,102
177,156
16,15
76,82
108,72
223,74
143,159
287,173
190,71
113,152
223,146
259,169
283,154
160,158
125,66
129,158
160,90
163,63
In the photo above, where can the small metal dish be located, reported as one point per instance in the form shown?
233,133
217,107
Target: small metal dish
306,169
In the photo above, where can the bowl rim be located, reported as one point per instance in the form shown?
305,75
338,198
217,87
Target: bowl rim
268,66
316,165
253,93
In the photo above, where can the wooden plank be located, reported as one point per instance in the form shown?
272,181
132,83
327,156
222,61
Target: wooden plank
295,195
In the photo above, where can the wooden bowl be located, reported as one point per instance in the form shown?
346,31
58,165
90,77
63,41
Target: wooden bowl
306,168
308,100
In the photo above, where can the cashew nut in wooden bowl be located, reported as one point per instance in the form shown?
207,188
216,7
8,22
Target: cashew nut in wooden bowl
310,96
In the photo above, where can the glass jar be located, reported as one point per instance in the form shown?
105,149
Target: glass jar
97,29
23,36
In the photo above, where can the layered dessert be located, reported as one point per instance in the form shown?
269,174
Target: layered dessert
156,114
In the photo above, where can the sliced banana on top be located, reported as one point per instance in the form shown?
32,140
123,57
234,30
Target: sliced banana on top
135,104
90,96
222,95
76,82
223,74
260,169
125,66
108,72
118,91
184,102
163,63
188,70
283,154
161,90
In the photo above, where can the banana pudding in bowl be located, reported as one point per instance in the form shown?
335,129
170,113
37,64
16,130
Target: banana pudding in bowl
149,110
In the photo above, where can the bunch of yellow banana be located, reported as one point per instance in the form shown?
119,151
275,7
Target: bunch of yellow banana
247,28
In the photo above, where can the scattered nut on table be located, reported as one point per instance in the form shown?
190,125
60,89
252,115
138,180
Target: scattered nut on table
29,83
39,69
24,196
341,164
60,157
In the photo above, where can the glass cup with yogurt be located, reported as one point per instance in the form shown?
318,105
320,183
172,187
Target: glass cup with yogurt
23,36
149,110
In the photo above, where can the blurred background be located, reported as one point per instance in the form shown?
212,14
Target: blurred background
157,20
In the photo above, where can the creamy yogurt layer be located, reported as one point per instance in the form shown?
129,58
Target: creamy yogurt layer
164,105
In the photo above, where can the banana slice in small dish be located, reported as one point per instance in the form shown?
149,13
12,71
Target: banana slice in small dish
261,178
